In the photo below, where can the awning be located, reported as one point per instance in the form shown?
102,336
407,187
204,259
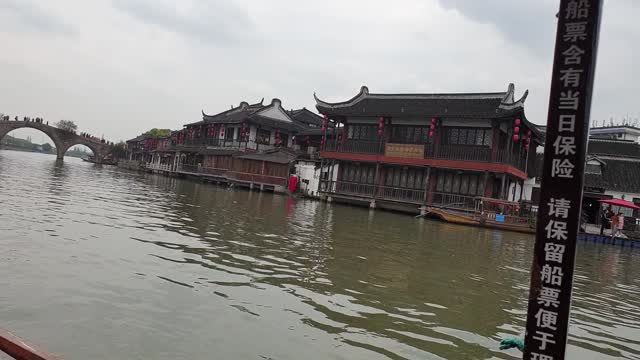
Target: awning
620,202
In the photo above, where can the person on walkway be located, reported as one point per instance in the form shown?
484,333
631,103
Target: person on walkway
614,225
617,224
605,218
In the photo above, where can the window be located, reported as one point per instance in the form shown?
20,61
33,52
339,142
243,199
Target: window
362,132
472,185
448,182
440,184
593,169
409,134
468,136
463,184
229,133
263,137
284,139
456,184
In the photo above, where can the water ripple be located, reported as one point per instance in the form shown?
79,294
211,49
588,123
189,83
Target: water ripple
103,263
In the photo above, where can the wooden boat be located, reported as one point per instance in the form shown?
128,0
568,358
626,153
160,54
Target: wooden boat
490,213
18,349
105,161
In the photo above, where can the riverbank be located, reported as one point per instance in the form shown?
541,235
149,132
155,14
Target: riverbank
168,171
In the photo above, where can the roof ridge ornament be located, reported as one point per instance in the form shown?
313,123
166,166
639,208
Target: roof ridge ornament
509,102
364,92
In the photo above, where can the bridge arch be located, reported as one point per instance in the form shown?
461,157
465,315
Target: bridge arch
62,139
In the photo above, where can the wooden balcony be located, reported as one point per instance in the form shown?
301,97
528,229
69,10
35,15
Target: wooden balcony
421,154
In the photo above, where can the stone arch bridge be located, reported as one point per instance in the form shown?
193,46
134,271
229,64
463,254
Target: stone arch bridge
62,139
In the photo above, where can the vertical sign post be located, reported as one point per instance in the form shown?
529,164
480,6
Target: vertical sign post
562,181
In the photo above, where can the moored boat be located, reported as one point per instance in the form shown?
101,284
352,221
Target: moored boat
490,213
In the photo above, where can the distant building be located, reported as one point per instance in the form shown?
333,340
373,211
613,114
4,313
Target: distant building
612,171
616,132
248,145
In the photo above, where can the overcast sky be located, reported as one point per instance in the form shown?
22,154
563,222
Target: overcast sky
120,67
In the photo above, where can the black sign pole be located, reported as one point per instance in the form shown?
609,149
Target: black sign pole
562,181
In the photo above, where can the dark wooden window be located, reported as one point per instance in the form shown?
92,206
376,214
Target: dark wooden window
362,174
229,132
284,139
463,184
468,136
409,134
440,183
362,132
263,137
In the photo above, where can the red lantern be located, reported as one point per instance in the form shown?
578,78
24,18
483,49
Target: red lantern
526,147
516,130
430,133
527,141
432,127
381,119
529,133
380,126
379,132
516,137
433,121
516,122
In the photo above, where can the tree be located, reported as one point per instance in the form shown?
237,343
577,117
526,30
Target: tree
67,125
159,132
46,147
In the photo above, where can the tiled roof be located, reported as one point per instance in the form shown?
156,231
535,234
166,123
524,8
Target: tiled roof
463,105
206,151
617,175
614,148
620,169
306,117
275,156
233,116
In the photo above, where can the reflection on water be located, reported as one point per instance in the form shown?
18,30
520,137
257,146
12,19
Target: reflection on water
99,263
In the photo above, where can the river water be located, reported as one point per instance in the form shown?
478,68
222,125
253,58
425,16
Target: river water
102,263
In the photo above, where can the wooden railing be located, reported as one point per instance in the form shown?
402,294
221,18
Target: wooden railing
401,194
459,152
257,178
445,152
162,167
452,201
414,196
355,146
353,188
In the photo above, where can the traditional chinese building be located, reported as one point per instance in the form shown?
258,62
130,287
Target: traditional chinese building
612,171
139,148
251,144
406,151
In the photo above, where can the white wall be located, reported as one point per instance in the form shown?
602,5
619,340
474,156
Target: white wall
526,190
308,171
